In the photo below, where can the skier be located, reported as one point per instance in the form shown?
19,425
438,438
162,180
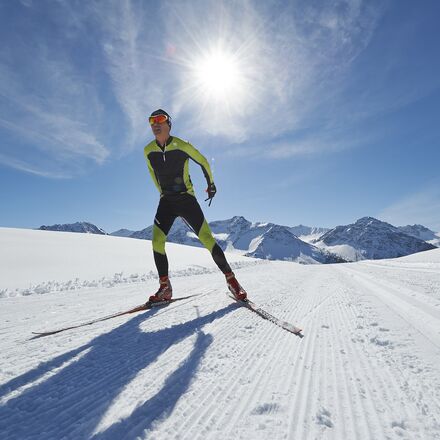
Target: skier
167,160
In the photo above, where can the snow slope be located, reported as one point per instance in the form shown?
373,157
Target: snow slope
34,261
206,368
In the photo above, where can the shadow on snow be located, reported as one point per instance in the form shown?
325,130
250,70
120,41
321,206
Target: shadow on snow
71,402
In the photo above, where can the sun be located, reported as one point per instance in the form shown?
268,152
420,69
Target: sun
218,74
218,77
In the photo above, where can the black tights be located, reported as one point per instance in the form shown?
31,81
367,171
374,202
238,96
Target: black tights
185,206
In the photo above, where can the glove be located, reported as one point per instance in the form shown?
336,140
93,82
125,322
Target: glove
211,190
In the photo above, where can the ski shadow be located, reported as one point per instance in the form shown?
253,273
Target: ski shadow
71,402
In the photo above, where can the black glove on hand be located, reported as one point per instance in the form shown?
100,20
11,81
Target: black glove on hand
211,190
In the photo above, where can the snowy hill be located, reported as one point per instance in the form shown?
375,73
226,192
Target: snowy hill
369,238
206,368
83,227
62,261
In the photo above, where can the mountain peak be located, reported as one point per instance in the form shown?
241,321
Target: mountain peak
370,238
84,227
368,221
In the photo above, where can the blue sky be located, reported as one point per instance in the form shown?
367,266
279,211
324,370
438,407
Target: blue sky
331,112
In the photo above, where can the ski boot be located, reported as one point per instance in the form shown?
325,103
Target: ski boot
165,291
234,287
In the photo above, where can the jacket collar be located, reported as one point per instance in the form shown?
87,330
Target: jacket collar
168,142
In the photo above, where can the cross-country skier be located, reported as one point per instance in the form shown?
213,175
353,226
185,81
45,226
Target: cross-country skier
167,159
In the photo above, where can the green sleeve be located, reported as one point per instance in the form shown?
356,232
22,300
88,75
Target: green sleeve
152,173
198,157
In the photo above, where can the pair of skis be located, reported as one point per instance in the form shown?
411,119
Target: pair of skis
149,305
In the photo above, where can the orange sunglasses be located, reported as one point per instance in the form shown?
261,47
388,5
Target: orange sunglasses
158,119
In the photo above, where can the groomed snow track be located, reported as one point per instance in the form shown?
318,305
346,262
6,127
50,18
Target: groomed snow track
205,368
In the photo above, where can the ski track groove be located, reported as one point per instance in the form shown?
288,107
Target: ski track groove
425,316
198,411
388,379
358,409
280,307
260,373
206,406
257,371
225,393
411,296
381,381
303,377
345,402
365,389
399,267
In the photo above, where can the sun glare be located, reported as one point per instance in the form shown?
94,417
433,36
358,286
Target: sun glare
218,79
218,76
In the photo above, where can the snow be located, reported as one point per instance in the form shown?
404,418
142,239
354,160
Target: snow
49,260
347,252
206,368
310,238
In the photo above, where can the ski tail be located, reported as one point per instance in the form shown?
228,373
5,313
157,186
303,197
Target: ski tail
266,315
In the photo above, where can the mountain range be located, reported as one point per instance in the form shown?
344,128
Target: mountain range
367,238
260,240
84,227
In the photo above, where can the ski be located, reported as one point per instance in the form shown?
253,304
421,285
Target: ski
266,315
147,306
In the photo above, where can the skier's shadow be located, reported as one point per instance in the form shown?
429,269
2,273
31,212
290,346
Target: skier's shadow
71,402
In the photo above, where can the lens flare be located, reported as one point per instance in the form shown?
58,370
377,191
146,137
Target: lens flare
218,75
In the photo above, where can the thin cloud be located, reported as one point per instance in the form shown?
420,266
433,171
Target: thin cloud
295,58
422,207
129,47
293,61
308,144
27,168
49,110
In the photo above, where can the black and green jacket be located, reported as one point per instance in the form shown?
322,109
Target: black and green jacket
169,166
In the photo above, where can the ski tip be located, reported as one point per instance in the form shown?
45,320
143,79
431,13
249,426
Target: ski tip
37,335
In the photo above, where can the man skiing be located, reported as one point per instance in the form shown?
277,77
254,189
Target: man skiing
168,163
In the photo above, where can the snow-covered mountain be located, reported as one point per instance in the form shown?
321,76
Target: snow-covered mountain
261,240
122,233
421,232
83,227
267,240
369,238
307,233
180,233
278,243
